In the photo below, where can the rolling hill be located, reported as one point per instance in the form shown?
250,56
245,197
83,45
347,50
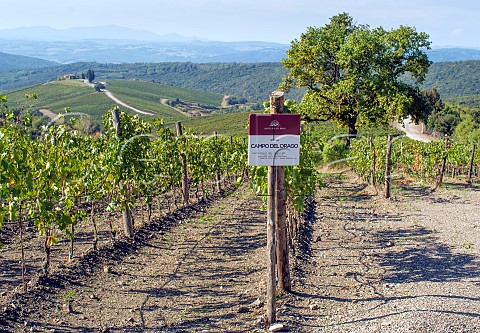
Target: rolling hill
252,81
80,98
16,62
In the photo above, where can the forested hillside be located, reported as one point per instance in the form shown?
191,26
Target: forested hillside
455,80
15,62
253,81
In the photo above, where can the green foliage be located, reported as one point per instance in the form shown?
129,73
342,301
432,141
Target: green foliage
416,159
45,178
90,76
334,151
444,120
353,73
467,132
253,82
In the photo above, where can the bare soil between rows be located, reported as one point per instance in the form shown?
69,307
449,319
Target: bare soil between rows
363,264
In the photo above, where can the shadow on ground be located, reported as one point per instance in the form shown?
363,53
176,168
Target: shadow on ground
423,258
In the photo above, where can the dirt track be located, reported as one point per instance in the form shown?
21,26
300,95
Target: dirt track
364,264
116,100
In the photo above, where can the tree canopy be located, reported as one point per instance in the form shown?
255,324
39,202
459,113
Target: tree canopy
353,74
90,75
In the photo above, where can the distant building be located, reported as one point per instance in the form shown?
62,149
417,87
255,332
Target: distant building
71,77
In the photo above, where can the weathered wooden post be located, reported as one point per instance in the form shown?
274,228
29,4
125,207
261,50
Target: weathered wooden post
185,189
444,164
271,276
126,214
374,162
472,161
283,267
273,141
218,177
388,161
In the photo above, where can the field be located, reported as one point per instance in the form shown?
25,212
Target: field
230,124
153,91
58,95
78,97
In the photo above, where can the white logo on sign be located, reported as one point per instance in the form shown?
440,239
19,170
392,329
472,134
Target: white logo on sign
274,123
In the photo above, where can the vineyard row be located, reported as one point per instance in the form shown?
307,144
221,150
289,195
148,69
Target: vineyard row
57,181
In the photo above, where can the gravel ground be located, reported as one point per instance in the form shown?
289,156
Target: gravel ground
363,264
410,264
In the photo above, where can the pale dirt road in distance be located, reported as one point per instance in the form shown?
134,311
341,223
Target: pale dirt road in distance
414,132
116,100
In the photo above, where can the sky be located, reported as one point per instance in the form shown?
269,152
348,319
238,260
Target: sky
447,22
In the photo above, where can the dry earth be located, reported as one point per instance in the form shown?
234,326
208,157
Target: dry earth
364,264
373,265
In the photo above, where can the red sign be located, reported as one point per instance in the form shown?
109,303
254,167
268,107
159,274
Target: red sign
274,124
274,139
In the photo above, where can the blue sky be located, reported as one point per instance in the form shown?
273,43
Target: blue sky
449,23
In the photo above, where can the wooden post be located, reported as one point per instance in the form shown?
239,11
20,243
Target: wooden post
283,266
126,214
387,167
271,278
116,121
472,160
444,164
374,162
218,177
185,189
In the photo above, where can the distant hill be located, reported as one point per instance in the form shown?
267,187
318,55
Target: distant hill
252,81
14,62
453,54
129,51
115,44
455,80
111,32
135,51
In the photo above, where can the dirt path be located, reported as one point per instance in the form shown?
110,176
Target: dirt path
116,100
372,265
224,103
414,132
202,275
48,113
364,264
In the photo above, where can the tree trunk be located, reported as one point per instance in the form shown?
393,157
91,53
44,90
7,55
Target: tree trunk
352,130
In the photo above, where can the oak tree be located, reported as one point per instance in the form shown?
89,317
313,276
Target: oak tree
354,74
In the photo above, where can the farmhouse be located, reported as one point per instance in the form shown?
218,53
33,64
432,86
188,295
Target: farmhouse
71,77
